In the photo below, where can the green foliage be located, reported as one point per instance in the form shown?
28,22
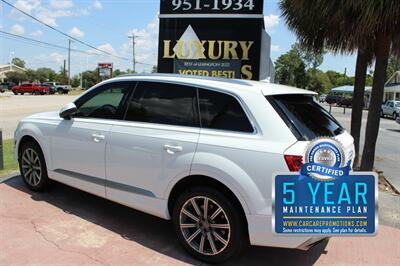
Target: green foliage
338,79
18,62
45,74
393,66
16,77
10,165
290,69
90,78
318,81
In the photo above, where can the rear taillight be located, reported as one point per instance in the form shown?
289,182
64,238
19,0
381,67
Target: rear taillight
294,162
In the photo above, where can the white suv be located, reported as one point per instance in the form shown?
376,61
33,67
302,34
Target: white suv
199,151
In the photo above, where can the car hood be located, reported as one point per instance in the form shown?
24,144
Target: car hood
46,115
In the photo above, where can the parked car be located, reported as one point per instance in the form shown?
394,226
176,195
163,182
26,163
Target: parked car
52,89
32,88
391,108
61,89
332,99
322,98
345,102
198,151
5,86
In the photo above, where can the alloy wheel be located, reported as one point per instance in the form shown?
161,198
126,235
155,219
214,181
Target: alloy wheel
205,225
31,167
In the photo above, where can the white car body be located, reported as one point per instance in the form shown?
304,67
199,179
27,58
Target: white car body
131,162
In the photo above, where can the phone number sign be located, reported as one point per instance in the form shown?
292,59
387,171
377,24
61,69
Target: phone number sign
303,205
211,6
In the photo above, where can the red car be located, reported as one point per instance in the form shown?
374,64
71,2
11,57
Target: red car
32,88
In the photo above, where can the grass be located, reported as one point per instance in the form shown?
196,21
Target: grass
10,165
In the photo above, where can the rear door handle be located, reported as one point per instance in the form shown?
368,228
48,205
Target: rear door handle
172,149
98,137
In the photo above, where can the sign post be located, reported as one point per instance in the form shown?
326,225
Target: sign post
214,38
1,151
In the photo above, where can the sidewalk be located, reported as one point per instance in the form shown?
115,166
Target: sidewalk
71,227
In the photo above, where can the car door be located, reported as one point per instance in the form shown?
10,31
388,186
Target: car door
78,144
155,144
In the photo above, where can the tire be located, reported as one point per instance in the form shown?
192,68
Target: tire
60,91
394,116
22,93
15,93
36,93
231,228
382,115
32,166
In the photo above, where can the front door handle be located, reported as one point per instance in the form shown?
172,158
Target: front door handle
98,137
172,149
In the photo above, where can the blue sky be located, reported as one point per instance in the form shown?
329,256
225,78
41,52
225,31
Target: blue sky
106,24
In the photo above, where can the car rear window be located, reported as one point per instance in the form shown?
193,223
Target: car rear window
306,118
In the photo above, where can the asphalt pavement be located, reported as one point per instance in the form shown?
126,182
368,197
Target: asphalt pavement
388,145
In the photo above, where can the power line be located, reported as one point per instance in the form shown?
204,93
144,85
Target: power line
63,33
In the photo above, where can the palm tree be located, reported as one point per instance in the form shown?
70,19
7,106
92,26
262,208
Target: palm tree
382,18
344,26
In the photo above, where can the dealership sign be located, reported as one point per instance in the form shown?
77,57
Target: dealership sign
105,69
325,197
214,38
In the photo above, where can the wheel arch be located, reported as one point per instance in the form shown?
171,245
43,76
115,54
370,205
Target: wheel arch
207,181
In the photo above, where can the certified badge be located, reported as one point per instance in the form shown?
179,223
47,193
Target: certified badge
325,160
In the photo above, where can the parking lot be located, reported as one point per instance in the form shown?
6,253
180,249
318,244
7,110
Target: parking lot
72,227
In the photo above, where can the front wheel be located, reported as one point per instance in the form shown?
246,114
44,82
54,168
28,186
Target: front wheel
208,225
32,166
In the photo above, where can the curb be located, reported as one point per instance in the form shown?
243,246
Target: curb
8,177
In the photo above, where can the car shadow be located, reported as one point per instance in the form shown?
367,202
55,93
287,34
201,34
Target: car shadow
152,232
394,130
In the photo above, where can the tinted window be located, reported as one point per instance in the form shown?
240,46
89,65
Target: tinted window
163,103
104,102
304,116
222,111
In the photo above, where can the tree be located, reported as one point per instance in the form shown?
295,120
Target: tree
318,81
394,65
45,74
16,77
311,58
18,62
290,69
369,27
90,78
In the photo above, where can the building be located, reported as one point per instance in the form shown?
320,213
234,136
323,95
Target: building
392,88
4,69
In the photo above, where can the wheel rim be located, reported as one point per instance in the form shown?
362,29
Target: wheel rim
205,225
31,167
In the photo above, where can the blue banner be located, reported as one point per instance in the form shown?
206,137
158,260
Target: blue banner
343,206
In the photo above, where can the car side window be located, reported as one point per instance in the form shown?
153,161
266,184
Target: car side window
163,103
223,112
104,102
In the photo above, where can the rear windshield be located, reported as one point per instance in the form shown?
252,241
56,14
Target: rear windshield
306,118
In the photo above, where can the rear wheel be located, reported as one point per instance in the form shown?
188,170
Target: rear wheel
208,226
36,92
395,115
15,93
32,166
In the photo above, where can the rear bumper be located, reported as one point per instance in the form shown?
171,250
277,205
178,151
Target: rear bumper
261,234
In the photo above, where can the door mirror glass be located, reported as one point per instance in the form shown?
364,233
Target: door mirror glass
67,111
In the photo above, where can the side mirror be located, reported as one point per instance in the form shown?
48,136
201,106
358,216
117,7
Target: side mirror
67,111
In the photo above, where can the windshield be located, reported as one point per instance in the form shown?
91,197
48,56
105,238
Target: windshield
306,118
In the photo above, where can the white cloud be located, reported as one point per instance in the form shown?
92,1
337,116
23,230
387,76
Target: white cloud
37,33
46,13
146,45
75,32
271,21
17,29
61,4
97,5
107,48
54,57
275,48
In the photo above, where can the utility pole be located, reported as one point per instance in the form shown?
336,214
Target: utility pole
69,62
65,73
133,54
